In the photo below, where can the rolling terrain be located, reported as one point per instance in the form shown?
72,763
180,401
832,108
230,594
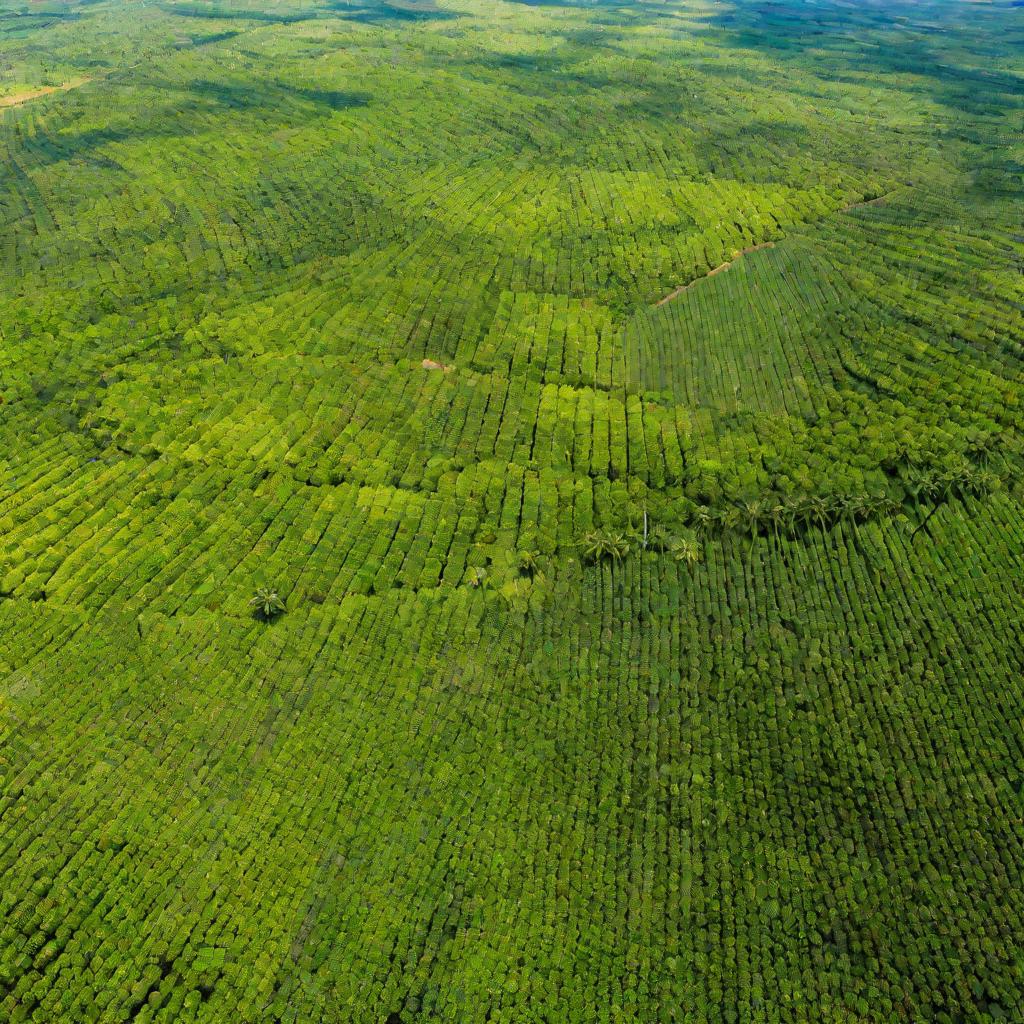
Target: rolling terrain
623,404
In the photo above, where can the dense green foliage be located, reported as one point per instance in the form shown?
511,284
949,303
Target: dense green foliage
511,512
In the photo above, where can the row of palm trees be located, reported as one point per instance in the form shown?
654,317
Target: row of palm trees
776,516
604,545
790,515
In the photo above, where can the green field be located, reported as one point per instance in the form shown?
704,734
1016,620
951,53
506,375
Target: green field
618,407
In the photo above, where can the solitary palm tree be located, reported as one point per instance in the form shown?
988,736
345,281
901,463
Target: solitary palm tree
267,604
728,519
703,517
777,516
601,544
819,509
753,512
528,561
685,551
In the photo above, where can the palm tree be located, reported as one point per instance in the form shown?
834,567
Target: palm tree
778,516
794,511
948,482
819,508
803,510
703,517
854,509
915,486
684,551
728,519
931,486
659,539
883,505
267,604
752,513
527,560
601,544
984,481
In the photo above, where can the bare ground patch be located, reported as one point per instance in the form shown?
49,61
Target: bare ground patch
15,99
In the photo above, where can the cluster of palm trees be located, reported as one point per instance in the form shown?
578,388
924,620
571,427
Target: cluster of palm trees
775,516
609,545
941,485
604,545
790,515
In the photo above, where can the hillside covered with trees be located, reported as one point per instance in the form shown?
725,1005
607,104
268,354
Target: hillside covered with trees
511,512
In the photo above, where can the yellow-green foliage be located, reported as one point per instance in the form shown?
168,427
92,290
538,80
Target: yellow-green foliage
511,512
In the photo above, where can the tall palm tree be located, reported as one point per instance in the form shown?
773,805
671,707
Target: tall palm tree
728,519
703,517
778,516
819,509
753,512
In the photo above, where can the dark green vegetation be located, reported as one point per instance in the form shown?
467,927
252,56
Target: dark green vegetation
405,619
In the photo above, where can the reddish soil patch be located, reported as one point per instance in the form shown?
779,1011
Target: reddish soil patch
17,98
